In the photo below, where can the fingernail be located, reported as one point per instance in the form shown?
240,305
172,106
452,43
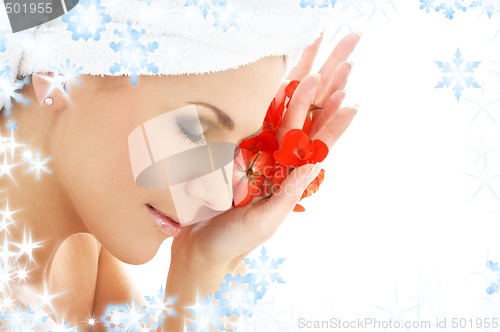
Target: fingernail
313,173
356,107
317,75
359,33
350,62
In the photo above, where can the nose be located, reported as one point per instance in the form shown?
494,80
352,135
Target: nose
213,190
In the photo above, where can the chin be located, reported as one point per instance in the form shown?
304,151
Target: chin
141,252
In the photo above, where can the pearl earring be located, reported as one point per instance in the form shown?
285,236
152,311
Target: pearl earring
48,101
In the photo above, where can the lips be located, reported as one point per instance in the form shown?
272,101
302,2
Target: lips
167,225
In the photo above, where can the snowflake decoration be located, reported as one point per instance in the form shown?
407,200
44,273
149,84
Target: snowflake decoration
11,125
156,306
489,7
205,5
238,295
206,315
86,20
495,277
223,12
448,7
27,246
317,3
8,90
458,74
225,17
126,317
7,219
264,270
133,54
65,75
38,165
3,43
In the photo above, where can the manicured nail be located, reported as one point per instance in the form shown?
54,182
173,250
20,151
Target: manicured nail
359,33
350,62
318,75
356,107
313,173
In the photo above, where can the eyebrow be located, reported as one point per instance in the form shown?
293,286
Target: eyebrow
224,119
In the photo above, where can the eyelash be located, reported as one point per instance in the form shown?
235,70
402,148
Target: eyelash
195,139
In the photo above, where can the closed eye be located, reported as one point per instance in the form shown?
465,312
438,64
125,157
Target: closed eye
194,138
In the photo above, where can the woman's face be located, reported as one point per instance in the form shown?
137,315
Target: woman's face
111,133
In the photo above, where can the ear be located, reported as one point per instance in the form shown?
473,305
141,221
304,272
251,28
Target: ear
44,87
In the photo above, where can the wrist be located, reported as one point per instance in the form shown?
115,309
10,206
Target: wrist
190,283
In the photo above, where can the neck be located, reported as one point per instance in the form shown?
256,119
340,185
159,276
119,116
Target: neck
43,209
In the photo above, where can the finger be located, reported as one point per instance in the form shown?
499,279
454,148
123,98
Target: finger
339,54
336,125
299,105
333,83
321,116
265,219
306,61
280,95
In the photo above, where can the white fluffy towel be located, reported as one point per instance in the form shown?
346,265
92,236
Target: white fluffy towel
162,37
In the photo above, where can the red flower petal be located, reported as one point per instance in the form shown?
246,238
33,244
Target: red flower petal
298,208
319,151
294,139
286,158
290,88
306,128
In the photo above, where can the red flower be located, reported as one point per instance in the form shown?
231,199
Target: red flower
311,189
297,149
290,89
250,172
261,166
262,142
273,117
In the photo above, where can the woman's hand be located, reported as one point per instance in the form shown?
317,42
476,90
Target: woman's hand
203,253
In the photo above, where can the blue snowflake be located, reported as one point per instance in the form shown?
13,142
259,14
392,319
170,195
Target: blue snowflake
317,3
86,20
11,125
3,43
489,7
38,165
448,7
495,283
23,319
125,317
8,90
156,306
223,12
238,295
133,54
225,17
205,5
206,315
66,75
458,75
264,270
427,5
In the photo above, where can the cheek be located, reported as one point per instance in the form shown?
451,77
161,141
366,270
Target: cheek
91,161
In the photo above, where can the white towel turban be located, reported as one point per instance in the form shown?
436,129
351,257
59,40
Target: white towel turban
163,37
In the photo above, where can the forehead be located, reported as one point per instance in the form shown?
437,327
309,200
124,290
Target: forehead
243,93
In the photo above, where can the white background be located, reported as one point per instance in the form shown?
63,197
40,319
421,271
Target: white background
397,230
